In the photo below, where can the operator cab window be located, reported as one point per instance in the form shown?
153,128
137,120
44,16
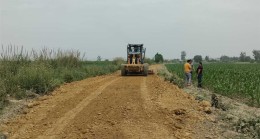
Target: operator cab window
138,49
132,49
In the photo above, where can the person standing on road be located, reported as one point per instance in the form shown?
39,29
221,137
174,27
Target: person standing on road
192,69
187,71
199,74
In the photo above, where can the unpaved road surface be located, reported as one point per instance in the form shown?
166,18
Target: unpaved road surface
114,107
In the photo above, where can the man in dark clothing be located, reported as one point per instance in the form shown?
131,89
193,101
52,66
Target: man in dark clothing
199,73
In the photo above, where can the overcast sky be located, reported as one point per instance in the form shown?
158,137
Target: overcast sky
105,27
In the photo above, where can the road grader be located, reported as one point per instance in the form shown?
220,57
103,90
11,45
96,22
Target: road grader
135,61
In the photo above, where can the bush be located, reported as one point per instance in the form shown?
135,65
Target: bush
67,77
2,95
118,61
37,77
149,61
177,81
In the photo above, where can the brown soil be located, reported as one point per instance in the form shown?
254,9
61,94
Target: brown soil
112,106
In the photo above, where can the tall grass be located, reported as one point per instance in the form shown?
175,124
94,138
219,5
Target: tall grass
24,72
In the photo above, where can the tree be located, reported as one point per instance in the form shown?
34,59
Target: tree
118,61
224,58
256,54
234,59
176,61
207,58
99,58
197,58
248,59
183,55
148,60
158,58
242,57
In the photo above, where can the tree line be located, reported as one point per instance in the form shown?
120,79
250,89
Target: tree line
241,58
158,58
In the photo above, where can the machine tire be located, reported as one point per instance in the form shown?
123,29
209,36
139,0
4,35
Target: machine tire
146,67
123,72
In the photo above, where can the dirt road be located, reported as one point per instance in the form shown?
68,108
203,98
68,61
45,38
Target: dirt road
112,106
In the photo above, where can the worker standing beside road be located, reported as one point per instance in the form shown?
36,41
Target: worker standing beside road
199,74
187,71
192,69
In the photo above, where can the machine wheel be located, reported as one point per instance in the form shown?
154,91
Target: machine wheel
123,72
146,67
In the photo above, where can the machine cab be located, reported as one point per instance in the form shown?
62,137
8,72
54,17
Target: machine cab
135,54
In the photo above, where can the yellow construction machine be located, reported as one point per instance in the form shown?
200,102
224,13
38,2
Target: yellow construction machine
135,61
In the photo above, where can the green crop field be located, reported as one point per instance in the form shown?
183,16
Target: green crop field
235,80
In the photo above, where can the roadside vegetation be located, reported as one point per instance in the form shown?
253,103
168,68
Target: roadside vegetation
26,74
234,80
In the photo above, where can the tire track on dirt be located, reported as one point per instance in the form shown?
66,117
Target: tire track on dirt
145,95
104,117
153,123
64,121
